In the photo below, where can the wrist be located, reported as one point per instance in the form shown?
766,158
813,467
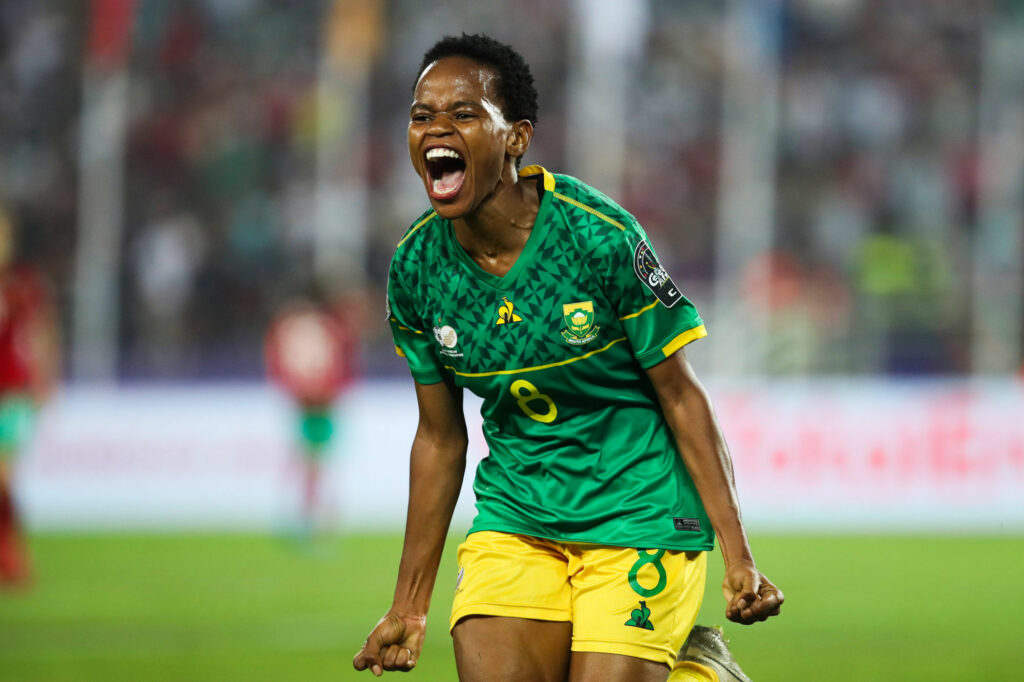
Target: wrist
409,611
735,548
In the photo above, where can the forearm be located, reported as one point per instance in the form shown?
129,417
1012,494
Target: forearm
707,460
687,409
751,597
436,469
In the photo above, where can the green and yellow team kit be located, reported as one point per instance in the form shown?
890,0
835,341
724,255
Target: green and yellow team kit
579,450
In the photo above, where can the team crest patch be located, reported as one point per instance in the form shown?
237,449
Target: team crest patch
651,273
641,617
507,313
579,323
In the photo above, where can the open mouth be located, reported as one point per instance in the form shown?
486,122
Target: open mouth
446,170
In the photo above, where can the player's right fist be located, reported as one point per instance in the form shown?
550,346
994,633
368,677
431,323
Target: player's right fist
394,644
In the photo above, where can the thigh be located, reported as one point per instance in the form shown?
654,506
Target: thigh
634,603
592,667
502,649
515,576
511,615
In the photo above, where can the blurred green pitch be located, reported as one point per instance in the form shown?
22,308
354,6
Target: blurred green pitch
248,607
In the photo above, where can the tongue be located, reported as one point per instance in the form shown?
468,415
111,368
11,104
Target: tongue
449,181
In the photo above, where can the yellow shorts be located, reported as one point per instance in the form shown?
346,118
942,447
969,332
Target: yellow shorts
640,603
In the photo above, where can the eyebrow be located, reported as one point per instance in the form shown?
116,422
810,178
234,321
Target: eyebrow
454,105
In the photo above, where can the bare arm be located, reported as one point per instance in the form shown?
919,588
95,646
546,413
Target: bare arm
750,595
437,465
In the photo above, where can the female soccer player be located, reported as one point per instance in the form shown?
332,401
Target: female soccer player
608,478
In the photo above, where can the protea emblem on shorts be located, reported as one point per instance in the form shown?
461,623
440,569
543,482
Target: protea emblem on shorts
579,323
641,617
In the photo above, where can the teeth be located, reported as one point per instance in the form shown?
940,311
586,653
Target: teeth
442,152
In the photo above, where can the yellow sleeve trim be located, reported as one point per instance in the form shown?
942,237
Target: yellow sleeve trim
639,312
593,211
403,328
683,339
549,179
416,227
399,352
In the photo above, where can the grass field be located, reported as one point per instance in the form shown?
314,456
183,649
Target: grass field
245,607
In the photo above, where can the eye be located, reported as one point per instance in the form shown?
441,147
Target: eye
463,116
419,118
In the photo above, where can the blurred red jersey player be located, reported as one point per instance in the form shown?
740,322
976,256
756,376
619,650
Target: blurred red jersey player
310,353
28,371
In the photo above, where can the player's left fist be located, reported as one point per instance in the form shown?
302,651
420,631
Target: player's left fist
751,596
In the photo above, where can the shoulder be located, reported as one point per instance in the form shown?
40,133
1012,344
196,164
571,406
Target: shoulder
416,244
420,232
596,221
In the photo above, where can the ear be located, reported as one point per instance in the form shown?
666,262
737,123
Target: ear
519,138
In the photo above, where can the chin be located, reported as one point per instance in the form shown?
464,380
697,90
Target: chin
449,210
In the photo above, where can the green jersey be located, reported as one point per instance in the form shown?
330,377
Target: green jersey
557,348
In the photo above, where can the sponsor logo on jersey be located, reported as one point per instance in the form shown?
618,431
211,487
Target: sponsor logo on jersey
692,525
507,313
650,272
579,323
641,617
448,340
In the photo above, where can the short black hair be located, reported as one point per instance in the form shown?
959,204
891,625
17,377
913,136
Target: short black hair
515,82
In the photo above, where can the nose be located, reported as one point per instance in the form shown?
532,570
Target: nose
441,124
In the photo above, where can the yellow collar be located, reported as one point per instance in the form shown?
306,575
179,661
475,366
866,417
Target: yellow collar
549,179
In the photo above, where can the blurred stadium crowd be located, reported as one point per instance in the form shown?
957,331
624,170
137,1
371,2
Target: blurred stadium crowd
876,171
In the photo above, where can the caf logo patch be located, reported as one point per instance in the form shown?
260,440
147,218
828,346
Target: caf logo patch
651,273
448,339
446,336
579,323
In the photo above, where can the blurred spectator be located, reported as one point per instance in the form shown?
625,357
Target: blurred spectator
28,375
878,118
164,259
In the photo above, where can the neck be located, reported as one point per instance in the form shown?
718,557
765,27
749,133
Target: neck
500,226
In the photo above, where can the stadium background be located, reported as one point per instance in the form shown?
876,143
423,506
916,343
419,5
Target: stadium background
837,184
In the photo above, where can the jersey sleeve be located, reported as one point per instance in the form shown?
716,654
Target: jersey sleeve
657,318
412,341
